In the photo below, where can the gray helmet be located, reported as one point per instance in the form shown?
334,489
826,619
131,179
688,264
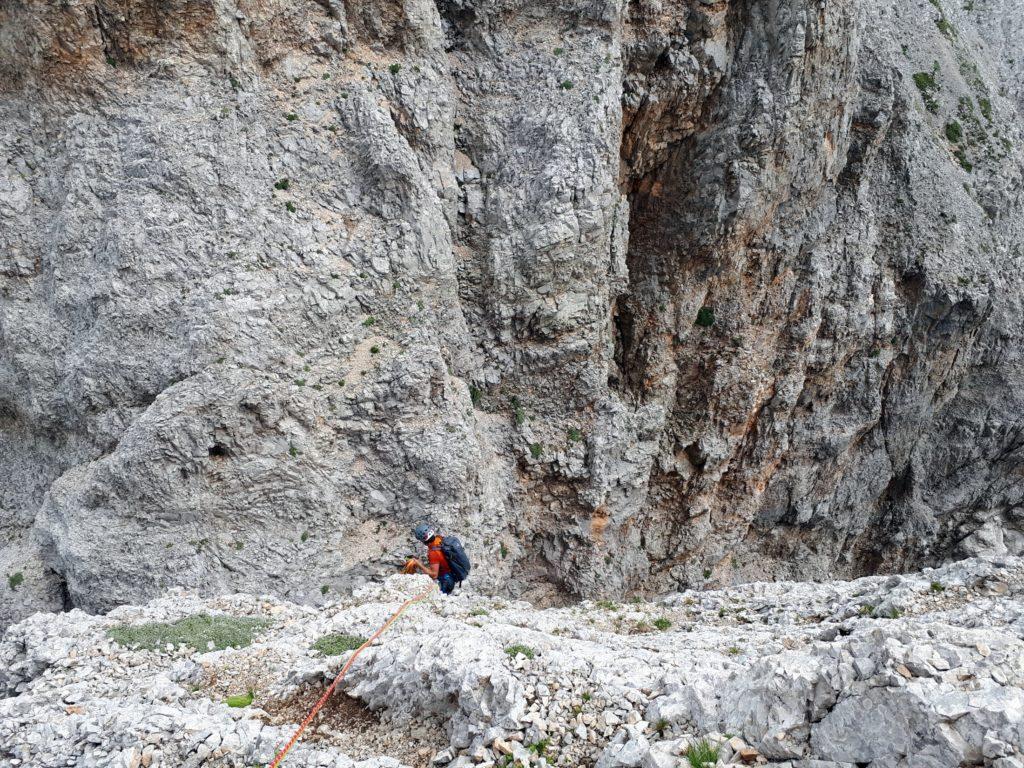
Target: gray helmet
424,532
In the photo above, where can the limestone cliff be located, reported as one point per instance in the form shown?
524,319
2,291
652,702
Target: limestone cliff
637,295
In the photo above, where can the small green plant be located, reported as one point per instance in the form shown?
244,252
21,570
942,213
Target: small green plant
937,587
895,613
574,434
290,206
374,350
369,321
928,86
587,696
661,623
503,550
954,132
986,108
15,580
304,537
559,51
566,85
536,449
199,631
701,754
661,726
478,612
516,650
239,545
539,748
866,610
336,644
707,573
300,382
282,183
394,69
326,76
607,605
705,317
291,117
324,589
292,450
961,157
475,395
519,416
733,650
241,700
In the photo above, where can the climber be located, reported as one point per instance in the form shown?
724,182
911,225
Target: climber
449,563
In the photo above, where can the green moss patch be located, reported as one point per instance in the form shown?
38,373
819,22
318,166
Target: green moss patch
201,632
337,644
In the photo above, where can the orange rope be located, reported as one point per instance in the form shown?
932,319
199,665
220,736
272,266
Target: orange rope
327,694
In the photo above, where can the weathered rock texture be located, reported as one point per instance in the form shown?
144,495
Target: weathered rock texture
886,672
634,294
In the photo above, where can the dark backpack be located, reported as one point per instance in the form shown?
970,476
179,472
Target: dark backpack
458,560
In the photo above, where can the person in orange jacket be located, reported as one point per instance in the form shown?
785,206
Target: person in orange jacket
438,568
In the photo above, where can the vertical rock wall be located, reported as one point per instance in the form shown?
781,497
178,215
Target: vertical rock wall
632,294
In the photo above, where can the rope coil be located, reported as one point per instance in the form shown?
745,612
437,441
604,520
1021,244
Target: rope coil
327,694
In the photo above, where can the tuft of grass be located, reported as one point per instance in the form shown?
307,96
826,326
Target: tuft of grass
198,631
559,51
536,449
282,183
242,700
734,650
608,605
661,726
394,69
574,434
15,580
336,644
374,350
519,416
705,317
701,754
937,587
954,132
866,610
566,85
291,117
475,395
369,321
290,206
586,696
662,623
324,589
304,537
707,573
478,612
525,650
292,450
503,550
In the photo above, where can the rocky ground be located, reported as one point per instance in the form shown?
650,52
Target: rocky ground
925,669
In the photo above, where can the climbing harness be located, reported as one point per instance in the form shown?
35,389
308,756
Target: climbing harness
327,694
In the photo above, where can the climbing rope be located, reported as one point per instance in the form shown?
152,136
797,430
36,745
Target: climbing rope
327,694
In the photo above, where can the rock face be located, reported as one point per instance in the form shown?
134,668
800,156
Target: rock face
890,672
635,294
